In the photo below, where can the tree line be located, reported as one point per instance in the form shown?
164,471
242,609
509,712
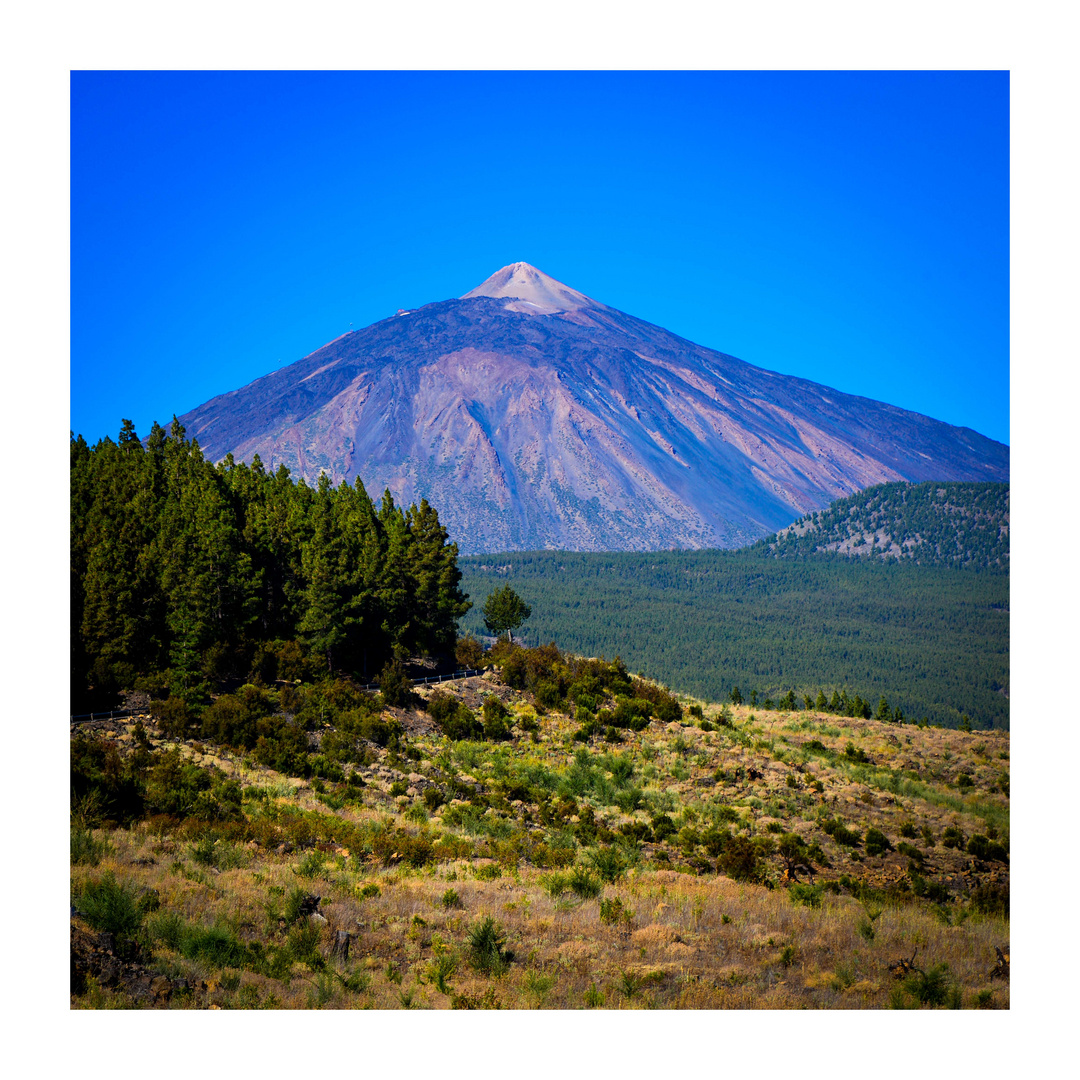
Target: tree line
185,573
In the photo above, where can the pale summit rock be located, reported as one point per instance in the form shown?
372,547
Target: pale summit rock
532,289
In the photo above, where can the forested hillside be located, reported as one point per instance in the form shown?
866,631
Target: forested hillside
933,640
184,574
932,524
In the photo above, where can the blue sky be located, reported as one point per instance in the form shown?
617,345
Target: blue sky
847,227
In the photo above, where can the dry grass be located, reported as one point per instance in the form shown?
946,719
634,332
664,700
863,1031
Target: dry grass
695,939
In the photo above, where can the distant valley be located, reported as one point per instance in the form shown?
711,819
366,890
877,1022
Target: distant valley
929,631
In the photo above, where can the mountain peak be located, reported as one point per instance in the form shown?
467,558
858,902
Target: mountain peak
532,290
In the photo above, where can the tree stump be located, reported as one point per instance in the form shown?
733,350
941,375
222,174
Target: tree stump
340,949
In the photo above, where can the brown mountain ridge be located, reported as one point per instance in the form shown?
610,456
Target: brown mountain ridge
535,417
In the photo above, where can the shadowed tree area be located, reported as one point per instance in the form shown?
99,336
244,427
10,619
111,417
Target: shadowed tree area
185,573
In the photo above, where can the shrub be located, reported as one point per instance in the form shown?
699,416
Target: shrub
907,830
233,718
461,724
663,827
807,895
952,837
584,884
841,833
282,746
174,716
665,705
739,859
609,862
982,847
441,970
486,947
911,852
495,725
612,912
313,864
110,906
86,849
853,753
877,843
468,652
450,899
214,945
930,987
395,686
991,899
433,798
629,799
370,890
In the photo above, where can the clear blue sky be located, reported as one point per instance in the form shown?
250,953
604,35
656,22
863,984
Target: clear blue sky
851,228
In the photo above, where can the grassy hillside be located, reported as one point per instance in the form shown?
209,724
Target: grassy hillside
932,639
584,841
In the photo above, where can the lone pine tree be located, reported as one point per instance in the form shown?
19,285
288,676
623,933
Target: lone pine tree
505,611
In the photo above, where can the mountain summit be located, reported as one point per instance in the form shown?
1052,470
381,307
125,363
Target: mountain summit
534,417
538,294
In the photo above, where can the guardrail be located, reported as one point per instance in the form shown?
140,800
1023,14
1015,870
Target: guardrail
118,714
112,714
433,678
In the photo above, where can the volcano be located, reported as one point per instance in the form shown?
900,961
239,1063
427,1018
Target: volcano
532,416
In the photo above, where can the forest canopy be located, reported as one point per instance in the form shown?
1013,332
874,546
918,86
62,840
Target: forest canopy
185,573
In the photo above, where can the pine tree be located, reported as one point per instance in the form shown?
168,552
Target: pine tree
504,611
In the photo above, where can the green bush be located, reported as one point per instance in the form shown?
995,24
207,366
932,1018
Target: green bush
877,843
739,859
952,837
807,895
468,652
460,724
608,862
395,686
584,884
853,753
841,833
86,849
174,716
930,987
991,899
982,847
911,852
486,947
216,945
612,912
495,726
110,906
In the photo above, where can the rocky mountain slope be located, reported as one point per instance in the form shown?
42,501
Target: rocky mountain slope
535,417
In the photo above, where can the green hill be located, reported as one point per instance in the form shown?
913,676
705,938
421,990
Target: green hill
932,524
